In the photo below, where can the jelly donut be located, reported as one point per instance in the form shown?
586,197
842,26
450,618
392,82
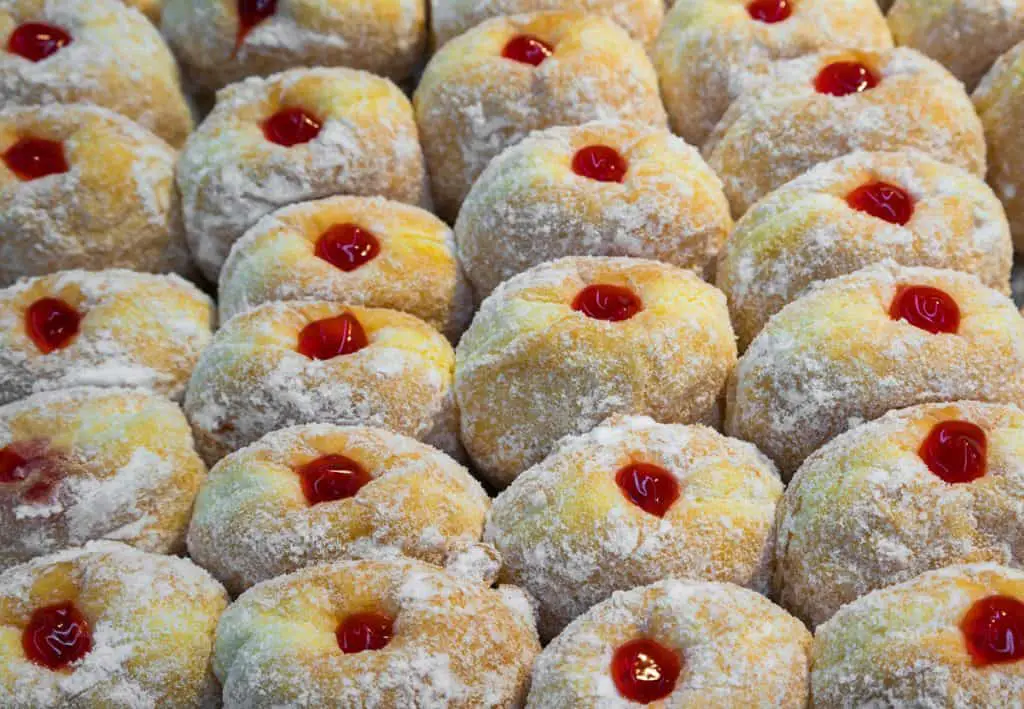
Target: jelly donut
601,189
82,187
222,41
108,626
855,211
375,634
490,87
860,345
295,136
357,250
629,503
87,463
918,489
806,111
99,52
559,348
101,328
682,644
705,46
289,363
947,638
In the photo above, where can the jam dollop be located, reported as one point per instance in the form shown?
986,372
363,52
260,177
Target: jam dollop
36,41
600,162
332,477
33,158
30,460
770,11
883,201
250,14
645,671
927,308
528,50
291,126
347,246
56,636
845,78
650,487
993,630
52,324
607,302
364,631
956,451
332,337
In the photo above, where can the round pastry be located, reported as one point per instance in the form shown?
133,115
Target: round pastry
87,463
601,189
357,250
490,87
283,364
559,348
150,8
99,52
629,503
966,36
82,187
810,110
295,136
108,626
375,634
705,45
222,41
857,346
948,638
855,211
682,644
101,328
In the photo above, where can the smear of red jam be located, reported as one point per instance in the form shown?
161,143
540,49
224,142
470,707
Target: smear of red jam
883,201
927,308
607,302
250,14
645,671
332,477
364,631
601,163
332,337
33,158
845,78
347,246
770,11
650,487
32,461
291,126
56,636
528,50
956,451
52,324
993,630
36,41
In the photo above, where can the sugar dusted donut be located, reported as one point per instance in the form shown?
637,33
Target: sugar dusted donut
150,8
101,328
375,634
357,250
603,189
222,41
629,503
854,211
682,644
108,626
82,187
948,638
806,111
490,87
295,136
857,346
705,45
289,363
100,52
559,348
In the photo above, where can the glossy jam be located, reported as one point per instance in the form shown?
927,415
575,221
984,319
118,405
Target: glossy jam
607,302
13,468
526,49
650,487
645,671
32,158
290,127
35,41
347,246
332,337
845,78
770,11
926,308
883,201
993,630
31,461
251,13
332,477
52,324
601,163
956,451
364,631
56,636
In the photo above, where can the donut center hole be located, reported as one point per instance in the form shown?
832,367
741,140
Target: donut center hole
36,41
57,636
601,163
770,11
291,126
927,308
332,337
364,631
527,49
607,302
883,201
650,487
845,78
645,671
52,324
32,158
332,477
347,246
956,451
993,630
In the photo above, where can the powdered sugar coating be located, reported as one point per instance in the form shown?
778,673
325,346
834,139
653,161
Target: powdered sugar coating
835,358
230,175
806,231
137,330
902,646
456,643
152,619
737,648
472,103
529,206
150,8
531,369
780,126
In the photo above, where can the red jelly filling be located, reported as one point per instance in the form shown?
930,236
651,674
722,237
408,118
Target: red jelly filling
347,246
332,477
526,49
52,324
770,11
925,307
35,41
994,630
251,13
884,201
291,126
32,158
13,466
645,671
607,302
650,487
24,461
364,631
956,451
56,636
332,337
845,78
601,163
